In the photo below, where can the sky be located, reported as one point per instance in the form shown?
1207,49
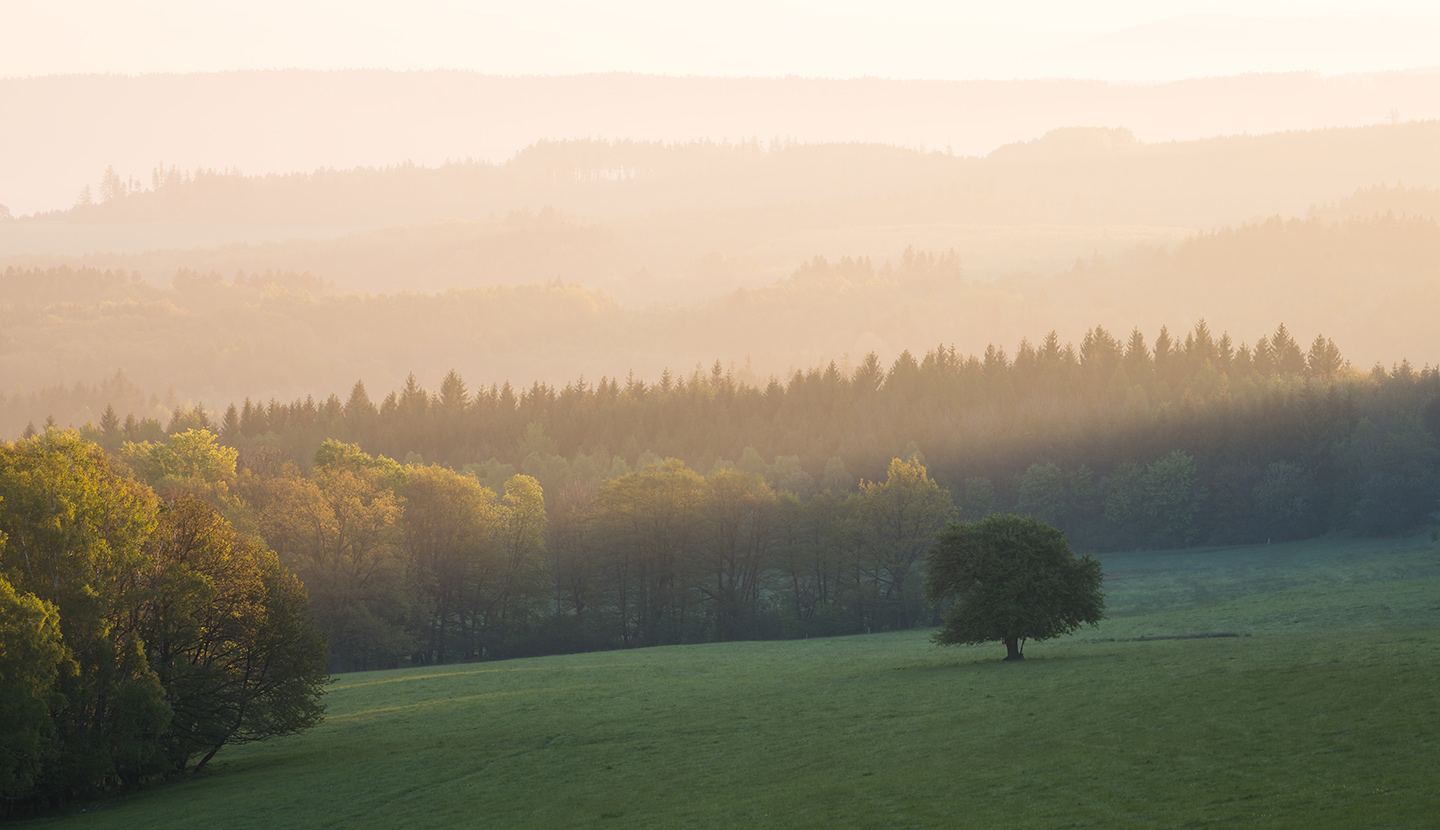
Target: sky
1128,40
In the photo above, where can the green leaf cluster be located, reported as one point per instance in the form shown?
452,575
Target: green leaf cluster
1010,579
135,633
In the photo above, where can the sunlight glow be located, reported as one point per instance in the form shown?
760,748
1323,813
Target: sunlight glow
1120,40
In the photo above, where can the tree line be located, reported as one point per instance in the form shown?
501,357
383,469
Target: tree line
476,524
414,563
1244,443
1123,181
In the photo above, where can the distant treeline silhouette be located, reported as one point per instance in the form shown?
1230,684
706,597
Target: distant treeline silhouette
1072,175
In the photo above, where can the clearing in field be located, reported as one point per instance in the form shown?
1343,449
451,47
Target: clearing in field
1322,712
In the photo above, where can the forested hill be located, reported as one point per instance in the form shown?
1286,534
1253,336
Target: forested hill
290,120
1381,200
1122,441
1369,284
682,222
1079,176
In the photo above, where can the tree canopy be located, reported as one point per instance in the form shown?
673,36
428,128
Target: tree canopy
1010,579
136,633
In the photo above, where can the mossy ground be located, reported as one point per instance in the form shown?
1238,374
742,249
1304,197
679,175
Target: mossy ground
1325,712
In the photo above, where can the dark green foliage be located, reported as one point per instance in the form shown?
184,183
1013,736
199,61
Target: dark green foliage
1285,498
979,499
1124,447
1010,579
31,659
1172,499
75,530
1121,446
1042,494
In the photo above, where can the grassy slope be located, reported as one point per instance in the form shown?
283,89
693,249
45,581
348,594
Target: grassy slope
1324,715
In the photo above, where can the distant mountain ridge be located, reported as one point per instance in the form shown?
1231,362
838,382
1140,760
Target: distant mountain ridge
662,222
71,127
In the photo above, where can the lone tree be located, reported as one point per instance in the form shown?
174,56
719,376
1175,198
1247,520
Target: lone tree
1010,579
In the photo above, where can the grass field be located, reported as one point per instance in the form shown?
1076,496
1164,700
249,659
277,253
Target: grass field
1325,712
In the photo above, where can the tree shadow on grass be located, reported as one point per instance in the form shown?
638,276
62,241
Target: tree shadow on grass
992,658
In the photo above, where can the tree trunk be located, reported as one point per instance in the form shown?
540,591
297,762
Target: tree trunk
211,754
1012,649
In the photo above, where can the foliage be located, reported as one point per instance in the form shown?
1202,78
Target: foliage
896,520
338,531
1286,496
417,563
647,523
1172,499
230,636
1095,438
1042,494
148,632
75,531
1011,579
705,508
31,660
192,461
447,530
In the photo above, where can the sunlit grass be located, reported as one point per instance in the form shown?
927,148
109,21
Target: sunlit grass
1323,713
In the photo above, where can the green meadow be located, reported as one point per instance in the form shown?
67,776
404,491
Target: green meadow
1323,712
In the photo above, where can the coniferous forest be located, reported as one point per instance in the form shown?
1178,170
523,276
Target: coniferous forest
461,524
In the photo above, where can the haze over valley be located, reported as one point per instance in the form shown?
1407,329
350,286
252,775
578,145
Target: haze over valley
768,256
763,414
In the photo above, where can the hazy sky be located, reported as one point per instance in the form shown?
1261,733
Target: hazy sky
1117,40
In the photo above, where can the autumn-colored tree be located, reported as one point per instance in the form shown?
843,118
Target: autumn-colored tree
193,461
509,593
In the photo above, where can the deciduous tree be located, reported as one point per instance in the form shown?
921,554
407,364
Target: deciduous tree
897,518
1010,579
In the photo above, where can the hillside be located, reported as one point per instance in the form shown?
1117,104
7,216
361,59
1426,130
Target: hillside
1368,284
1315,714
668,205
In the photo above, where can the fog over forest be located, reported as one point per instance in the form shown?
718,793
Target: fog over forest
599,258
819,349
